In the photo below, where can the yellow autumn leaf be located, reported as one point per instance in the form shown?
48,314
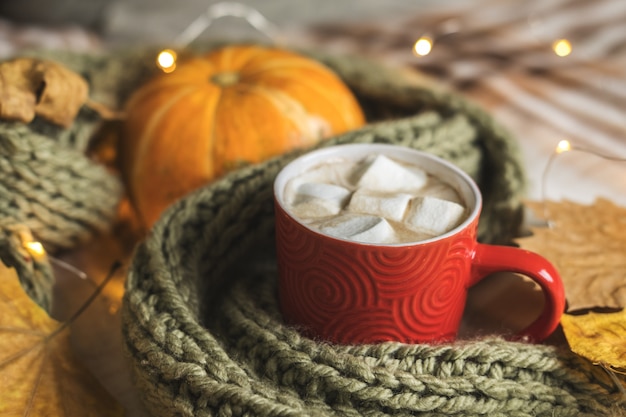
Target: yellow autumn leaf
587,245
601,338
39,374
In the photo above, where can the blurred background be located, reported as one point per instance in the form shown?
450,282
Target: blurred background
161,20
548,70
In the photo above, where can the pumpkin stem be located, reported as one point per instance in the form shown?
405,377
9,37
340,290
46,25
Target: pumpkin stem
225,79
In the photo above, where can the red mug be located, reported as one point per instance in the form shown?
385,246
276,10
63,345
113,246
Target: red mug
349,292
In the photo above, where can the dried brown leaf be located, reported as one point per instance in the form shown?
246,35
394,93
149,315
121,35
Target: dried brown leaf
587,245
30,87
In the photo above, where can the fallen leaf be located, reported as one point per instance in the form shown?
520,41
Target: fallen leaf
39,374
30,87
587,245
601,338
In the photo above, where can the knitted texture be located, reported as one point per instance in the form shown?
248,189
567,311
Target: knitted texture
201,324
34,272
53,189
46,180
49,186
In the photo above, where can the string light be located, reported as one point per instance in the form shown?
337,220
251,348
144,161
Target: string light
71,268
35,249
423,46
228,9
562,47
565,146
166,59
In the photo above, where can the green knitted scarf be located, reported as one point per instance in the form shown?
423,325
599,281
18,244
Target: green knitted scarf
202,329
200,320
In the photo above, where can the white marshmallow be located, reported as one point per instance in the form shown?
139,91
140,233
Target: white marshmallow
315,208
319,200
360,228
331,173
389,206
383,174
442,191
332,192
433,215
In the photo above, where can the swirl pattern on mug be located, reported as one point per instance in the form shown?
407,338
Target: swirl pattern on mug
296,248
328,287
351,328
439,304
396,269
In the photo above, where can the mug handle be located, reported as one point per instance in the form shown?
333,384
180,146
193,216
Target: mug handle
488,259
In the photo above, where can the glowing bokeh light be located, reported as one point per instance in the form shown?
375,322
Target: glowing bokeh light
562,47
166,60
36,248
423,46
563,146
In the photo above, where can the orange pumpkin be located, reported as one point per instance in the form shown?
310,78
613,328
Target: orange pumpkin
236,105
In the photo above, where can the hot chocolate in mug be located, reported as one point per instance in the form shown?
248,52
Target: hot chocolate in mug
345,291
